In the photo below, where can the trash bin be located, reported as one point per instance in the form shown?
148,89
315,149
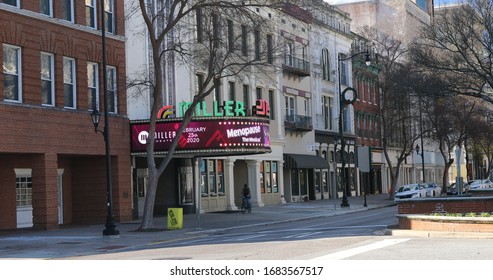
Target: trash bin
175,218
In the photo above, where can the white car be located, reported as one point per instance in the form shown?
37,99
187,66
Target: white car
432,189
410,191
480,184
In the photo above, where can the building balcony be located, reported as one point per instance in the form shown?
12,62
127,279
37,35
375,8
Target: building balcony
298,123
296,66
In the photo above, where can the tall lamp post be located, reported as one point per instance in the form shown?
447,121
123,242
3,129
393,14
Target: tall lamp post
346,97
110,225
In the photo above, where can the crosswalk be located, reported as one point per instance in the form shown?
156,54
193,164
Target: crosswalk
361,249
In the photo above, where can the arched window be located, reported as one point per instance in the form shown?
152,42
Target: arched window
325,65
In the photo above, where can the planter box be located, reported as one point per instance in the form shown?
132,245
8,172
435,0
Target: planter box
444,223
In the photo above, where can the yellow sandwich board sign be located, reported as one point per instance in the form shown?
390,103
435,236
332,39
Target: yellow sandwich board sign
175,218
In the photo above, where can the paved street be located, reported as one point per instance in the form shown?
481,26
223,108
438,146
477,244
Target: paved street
88,240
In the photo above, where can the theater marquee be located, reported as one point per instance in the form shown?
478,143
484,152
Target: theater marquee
206,136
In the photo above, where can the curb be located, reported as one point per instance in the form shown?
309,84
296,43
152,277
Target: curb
439,234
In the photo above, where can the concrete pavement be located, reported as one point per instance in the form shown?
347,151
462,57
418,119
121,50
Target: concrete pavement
88,240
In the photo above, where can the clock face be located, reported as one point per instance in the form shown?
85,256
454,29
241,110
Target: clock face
349,95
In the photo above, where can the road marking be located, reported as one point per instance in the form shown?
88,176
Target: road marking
301,235
245,237
362,249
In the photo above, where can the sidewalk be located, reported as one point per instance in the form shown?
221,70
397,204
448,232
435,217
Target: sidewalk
88,240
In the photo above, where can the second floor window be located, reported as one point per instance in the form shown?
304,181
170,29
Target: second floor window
290,106
92,86
11,2
46,7
111,89
327,110
270,49
12,73
47,79
68,10
271,104
257,44
69,91
91,13
246,96
232,90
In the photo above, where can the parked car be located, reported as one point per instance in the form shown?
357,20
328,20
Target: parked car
481,184
452,189
410,191
432,189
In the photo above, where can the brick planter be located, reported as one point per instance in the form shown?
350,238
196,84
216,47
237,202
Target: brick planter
415,214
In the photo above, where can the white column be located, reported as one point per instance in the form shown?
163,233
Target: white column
229,184
254,182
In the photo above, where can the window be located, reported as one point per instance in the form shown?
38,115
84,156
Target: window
244,40
200,30
215,30
257,44
289,53
92,86
211,177
270,49
246,96
68,10
422,4
325,65
24,190
231,36
271,104
232,91
47,79
217,90
91,13
46,7
344,71
111,92
12,73
69,93
268,177
109,21
290,106
327,107
259,93
200,82
11,2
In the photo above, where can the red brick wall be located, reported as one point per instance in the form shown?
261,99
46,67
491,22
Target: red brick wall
46,139
451,205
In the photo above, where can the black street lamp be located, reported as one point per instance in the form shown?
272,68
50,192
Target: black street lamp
422,145
346,97
110,225
422,158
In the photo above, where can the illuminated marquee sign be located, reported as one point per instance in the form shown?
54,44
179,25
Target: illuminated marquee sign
228,108
244,135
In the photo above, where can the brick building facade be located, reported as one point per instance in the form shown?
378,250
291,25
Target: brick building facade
52,163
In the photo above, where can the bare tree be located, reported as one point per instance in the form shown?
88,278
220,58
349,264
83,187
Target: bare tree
457,47
395,102
193,33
